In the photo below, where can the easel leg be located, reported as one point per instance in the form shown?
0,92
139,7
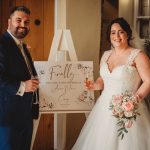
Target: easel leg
86,115
35,127
59,131
55,131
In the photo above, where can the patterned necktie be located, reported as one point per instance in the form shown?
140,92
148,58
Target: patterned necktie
21,47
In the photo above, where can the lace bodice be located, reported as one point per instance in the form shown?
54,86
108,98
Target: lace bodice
122,78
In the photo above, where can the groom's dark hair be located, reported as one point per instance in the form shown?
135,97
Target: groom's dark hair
20,8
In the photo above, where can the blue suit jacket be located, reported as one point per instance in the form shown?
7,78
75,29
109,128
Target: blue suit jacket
14,109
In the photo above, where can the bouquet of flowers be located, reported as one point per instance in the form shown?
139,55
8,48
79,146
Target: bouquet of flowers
125,108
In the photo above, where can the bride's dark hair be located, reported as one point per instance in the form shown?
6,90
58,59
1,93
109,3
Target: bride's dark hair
124,25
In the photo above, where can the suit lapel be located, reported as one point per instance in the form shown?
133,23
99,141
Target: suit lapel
14,51
12,46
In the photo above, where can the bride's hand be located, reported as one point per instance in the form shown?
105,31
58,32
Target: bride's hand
138,98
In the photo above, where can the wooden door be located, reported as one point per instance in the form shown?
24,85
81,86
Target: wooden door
5,7
40,39
42,26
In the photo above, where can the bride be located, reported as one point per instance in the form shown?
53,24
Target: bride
123,68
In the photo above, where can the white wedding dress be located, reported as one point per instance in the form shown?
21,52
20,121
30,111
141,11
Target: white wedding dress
100,129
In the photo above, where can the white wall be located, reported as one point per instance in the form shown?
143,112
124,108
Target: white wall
126,10
84,21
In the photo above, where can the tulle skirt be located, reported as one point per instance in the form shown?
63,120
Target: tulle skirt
100,130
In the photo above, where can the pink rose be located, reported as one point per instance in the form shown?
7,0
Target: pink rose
116,100
128,124
114,111
28,46
127,106
81,97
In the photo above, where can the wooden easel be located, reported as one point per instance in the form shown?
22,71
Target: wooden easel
61,44
62,41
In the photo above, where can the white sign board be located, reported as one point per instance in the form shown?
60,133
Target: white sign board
62,85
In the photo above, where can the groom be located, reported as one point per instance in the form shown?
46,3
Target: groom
18,84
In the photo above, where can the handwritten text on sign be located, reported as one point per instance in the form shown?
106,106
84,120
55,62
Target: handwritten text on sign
62,85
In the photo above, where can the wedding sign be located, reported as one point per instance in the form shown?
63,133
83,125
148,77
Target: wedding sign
62,85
